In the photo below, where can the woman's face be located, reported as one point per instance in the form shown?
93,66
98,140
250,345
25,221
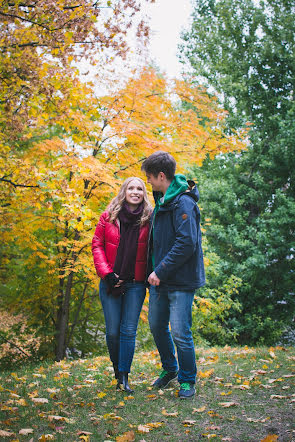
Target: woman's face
134,194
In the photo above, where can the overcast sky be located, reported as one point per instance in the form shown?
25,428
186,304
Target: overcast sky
168,18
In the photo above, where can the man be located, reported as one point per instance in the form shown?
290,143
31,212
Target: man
177,270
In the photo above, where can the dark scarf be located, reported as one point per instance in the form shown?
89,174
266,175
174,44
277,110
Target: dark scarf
127,249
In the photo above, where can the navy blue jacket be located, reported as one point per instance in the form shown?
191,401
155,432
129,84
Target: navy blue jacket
177,243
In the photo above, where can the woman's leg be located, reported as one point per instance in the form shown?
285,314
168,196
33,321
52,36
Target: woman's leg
112,307
132,302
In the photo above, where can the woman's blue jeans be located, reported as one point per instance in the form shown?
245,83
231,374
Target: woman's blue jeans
121,318
175,307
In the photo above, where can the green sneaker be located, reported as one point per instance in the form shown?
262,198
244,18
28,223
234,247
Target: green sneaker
165,378
186,391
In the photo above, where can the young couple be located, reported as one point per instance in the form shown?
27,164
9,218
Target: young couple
133,245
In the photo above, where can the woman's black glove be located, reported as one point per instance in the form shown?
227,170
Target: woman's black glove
111,280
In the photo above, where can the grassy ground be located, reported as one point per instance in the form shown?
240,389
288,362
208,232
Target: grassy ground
243,394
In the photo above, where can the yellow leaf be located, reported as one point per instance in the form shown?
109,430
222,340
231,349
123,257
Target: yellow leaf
101,395
206,374
46,437
270,438
22,402
155,424
199,410
129,436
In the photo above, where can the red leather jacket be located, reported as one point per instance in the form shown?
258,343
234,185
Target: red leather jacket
105,245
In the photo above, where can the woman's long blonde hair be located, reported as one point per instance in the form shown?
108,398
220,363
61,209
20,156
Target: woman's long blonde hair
116,204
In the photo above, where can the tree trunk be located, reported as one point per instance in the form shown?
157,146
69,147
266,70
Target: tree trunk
63,320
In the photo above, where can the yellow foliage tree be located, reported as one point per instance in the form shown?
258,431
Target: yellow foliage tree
65,183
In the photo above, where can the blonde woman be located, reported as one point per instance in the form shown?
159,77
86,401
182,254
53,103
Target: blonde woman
119,248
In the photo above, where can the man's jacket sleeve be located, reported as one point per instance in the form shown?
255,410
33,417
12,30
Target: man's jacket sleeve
186,238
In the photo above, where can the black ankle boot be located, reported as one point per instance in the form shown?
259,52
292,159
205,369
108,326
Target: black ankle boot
116,371
123,382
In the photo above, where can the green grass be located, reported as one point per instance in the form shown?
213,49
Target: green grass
243,394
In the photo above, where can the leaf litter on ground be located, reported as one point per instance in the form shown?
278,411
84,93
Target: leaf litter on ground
77,400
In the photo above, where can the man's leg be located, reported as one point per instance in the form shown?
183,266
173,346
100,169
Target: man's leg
181,322
159,312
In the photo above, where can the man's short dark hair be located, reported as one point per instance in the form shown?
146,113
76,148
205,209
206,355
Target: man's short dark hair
160,161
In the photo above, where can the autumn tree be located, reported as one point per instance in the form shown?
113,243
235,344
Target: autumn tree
68,184
42,96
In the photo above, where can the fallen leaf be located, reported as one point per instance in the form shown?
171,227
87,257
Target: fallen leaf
199,410
166,413
56,418
22,402
26,431
242,387
223,393
39,400
143,429
112,416
101,395
154,424
4,433
188,422
227,404
152,396
206,373
277,396
270,438
249,419
126,437
46,437
209,436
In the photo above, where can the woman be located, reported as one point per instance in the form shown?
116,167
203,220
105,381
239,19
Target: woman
119,248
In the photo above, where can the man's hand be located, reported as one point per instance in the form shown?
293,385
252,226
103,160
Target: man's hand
153,279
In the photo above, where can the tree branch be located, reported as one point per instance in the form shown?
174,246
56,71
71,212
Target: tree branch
17,185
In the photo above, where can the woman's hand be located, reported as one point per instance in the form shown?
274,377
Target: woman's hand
119,283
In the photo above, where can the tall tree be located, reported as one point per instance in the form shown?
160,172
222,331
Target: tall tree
67,184
41,95
245,51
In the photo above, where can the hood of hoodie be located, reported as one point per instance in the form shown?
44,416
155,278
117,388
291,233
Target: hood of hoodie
178,185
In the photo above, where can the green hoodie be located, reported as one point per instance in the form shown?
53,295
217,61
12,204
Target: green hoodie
178,185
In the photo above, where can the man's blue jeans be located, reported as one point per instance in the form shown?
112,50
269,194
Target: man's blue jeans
175,307
121,318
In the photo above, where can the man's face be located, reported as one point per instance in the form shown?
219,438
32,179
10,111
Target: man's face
155,182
